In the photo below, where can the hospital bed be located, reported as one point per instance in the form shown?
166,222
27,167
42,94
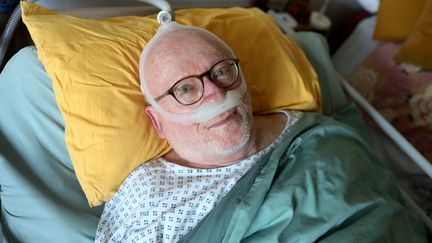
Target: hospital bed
35,162
399,145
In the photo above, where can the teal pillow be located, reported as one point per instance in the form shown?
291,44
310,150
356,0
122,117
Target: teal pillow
41,200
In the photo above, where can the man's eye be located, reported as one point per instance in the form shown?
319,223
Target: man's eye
220,72
184,89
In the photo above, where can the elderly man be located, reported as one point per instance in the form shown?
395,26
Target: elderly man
233,176
188,68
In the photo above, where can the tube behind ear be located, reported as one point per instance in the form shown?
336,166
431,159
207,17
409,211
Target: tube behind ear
154,118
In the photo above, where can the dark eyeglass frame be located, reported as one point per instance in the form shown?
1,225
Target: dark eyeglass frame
207,74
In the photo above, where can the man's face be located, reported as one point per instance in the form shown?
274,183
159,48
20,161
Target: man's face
183,54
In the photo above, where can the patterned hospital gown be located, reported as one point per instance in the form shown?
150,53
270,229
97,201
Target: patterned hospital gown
163,201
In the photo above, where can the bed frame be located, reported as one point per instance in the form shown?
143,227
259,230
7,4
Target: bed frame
389,144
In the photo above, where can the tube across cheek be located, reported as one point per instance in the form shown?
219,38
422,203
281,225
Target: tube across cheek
174,107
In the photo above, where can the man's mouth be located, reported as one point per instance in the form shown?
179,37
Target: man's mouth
224,119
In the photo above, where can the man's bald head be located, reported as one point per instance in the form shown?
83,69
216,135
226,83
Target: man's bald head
217,126
177,47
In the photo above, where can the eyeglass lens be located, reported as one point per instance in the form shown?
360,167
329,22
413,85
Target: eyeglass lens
191,89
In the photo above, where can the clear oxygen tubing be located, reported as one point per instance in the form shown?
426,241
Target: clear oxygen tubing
166,13
9,31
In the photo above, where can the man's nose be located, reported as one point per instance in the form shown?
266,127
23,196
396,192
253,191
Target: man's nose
212,93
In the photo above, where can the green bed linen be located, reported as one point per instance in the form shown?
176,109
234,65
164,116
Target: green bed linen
41,199
322,184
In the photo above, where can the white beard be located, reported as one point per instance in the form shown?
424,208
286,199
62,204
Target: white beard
246,127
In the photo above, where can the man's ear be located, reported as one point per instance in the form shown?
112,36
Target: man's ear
154,117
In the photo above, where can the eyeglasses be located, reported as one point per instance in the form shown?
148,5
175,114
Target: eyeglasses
189,90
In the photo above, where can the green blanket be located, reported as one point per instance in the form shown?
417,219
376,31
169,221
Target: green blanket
321,184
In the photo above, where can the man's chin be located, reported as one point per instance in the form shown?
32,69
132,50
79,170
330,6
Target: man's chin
228,134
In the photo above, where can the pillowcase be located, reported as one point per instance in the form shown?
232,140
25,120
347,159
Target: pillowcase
417,48
396,18
94,68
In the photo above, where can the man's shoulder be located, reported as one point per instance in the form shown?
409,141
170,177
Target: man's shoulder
145,172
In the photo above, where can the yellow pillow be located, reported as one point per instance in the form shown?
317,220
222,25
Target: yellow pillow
417,48
396,18
94,68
